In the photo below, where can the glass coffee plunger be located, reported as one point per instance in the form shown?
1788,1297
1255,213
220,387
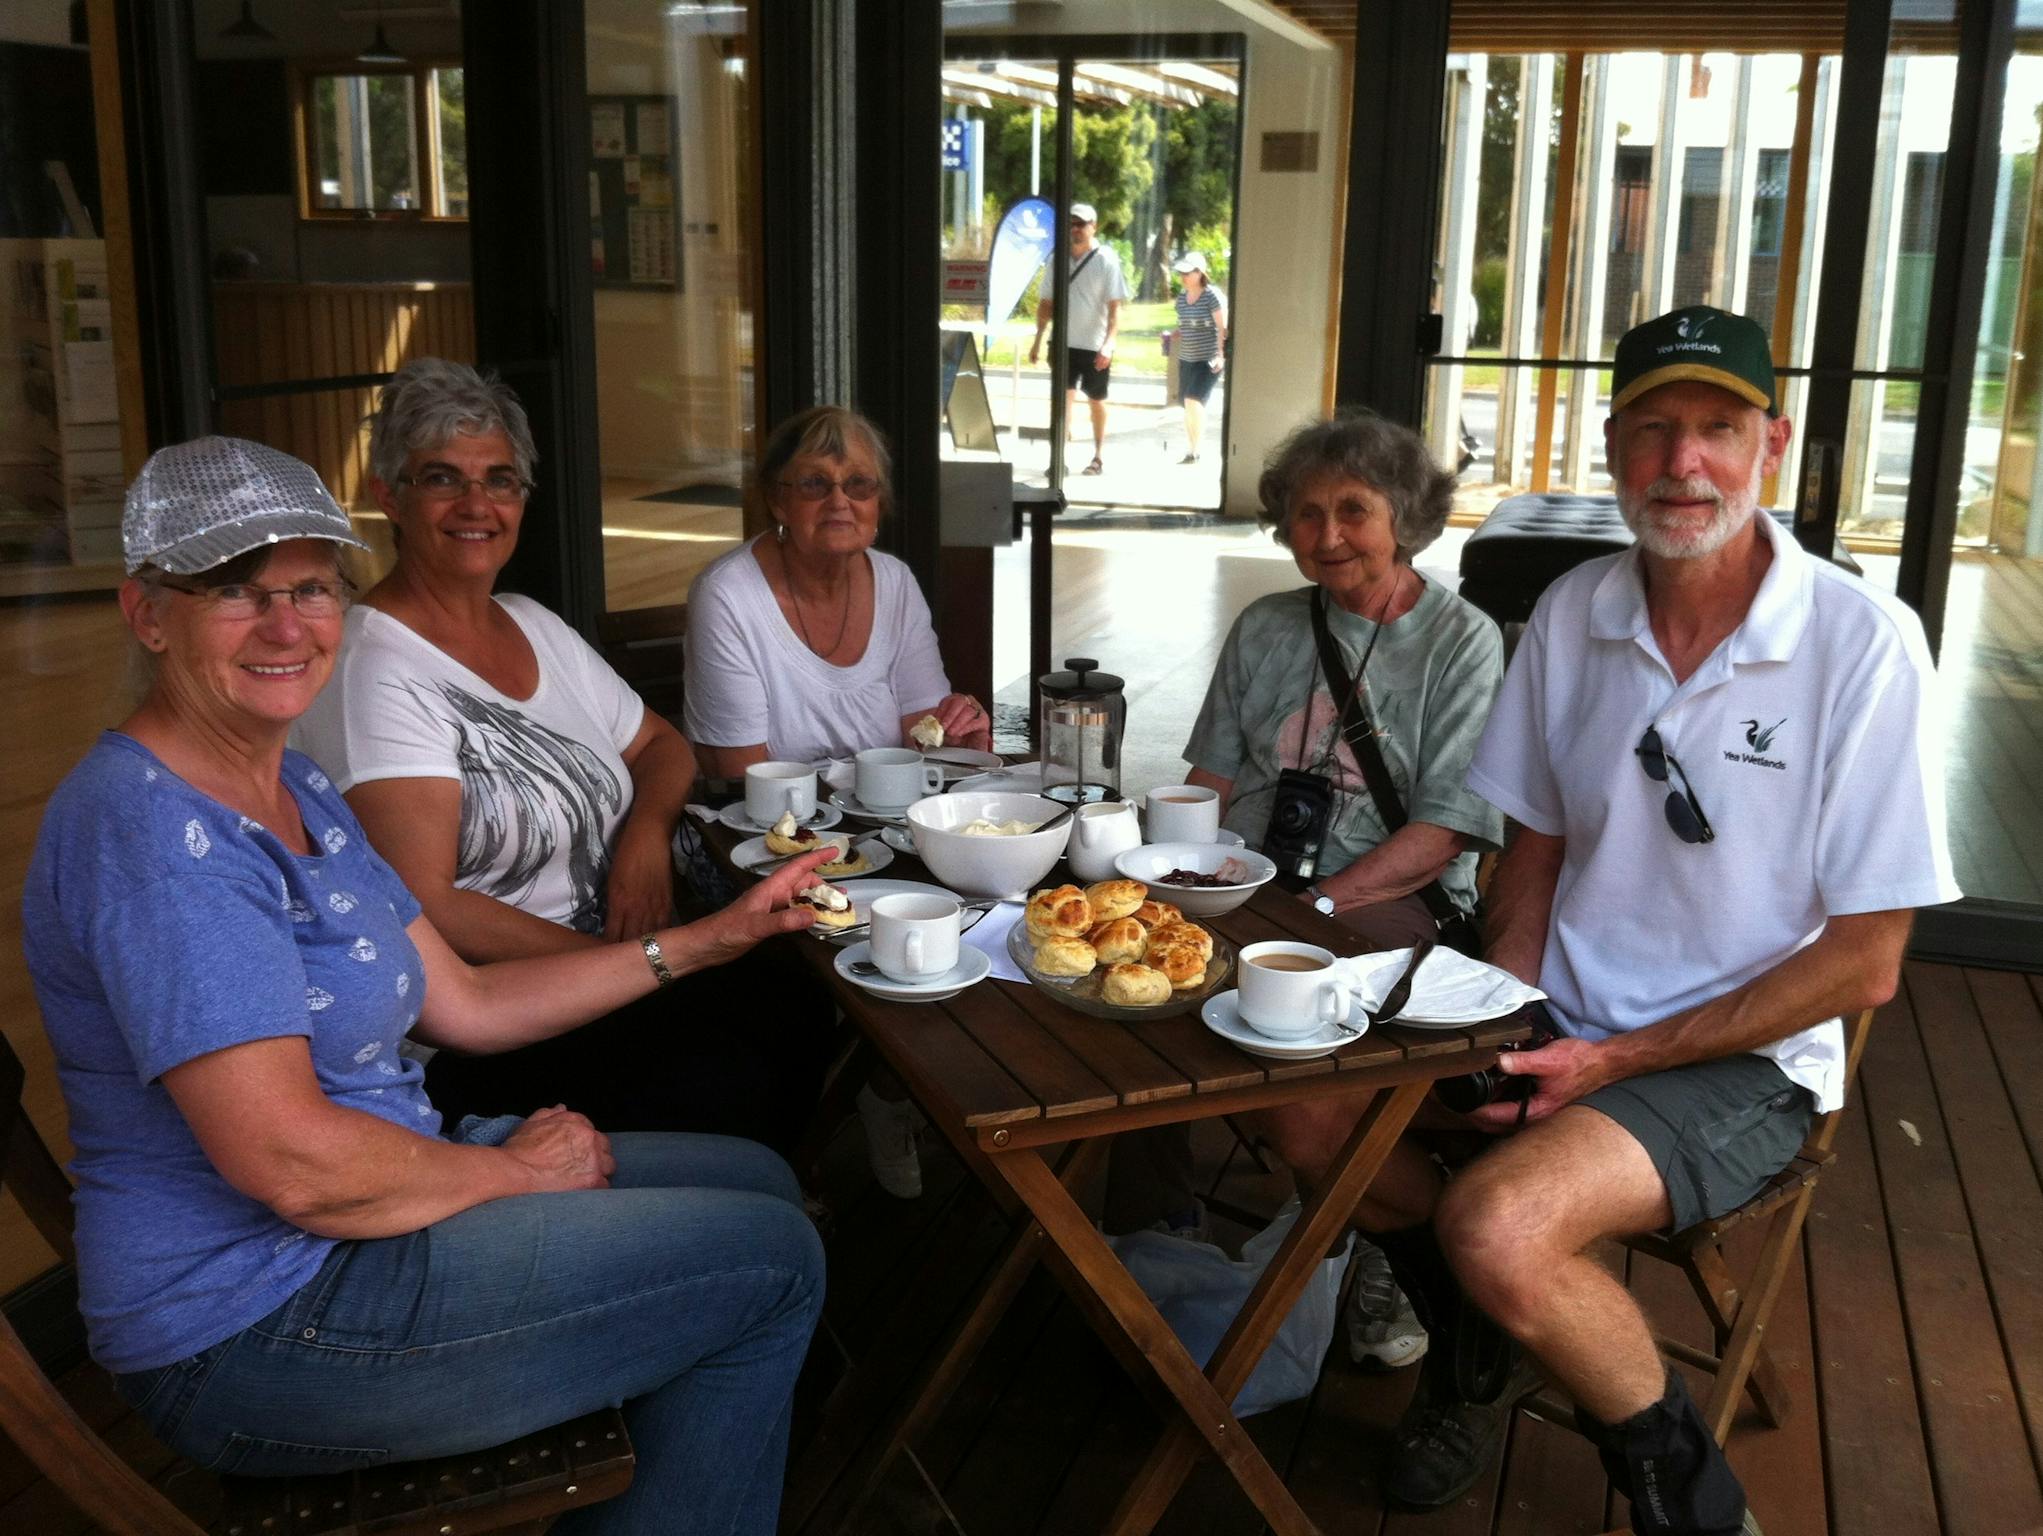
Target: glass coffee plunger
1083,715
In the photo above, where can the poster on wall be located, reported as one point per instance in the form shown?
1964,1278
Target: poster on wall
635,192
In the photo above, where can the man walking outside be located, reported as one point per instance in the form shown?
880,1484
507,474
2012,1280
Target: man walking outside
1097,291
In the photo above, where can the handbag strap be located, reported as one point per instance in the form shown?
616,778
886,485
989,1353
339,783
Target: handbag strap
1360,734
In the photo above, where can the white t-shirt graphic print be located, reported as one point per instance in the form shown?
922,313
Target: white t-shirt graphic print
544,786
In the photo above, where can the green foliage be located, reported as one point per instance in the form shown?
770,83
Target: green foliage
453,105
1134,163
1499,151
1491,274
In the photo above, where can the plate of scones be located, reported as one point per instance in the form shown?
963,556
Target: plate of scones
1112,951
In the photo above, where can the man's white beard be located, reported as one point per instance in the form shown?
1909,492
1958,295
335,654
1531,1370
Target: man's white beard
1676,538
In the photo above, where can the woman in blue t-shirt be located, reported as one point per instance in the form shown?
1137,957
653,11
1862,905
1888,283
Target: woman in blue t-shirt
284,1261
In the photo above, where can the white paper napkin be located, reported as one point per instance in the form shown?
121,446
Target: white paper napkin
989,937
1450,987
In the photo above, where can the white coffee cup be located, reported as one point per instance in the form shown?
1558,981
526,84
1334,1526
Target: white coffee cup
1182,813
773,789
1290,990
915,937
889,778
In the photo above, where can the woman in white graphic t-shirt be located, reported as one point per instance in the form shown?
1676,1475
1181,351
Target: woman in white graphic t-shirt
522,789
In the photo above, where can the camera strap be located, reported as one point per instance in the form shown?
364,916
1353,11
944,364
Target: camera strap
1360,733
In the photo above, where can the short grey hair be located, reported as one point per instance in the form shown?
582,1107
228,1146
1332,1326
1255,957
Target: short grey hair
830,431
430,401
1360,445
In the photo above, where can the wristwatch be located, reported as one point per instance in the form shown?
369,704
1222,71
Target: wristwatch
1321,901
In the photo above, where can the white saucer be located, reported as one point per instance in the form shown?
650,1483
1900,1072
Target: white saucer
964,757
845,801
753,850
973,967
1222,1015
738,819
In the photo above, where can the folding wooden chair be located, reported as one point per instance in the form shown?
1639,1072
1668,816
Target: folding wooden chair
1738,1313
518,1487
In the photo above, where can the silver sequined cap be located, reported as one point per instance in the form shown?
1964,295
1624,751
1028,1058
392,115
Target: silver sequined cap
200,503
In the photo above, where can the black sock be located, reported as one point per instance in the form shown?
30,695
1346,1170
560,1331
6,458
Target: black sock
1665,1460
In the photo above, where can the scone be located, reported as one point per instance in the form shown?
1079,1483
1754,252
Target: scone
832,907
789,836
1115,898
1120,940
1058,913
1182,932
927,733
1135,986
849,861
1065,957
1181,963
1154,914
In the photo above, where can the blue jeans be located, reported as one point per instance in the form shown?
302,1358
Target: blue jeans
689,1287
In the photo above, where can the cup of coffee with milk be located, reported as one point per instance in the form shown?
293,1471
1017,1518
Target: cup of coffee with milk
1290,990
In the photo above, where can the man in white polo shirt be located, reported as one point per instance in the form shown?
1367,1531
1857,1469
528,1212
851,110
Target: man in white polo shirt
1722,762
1098,290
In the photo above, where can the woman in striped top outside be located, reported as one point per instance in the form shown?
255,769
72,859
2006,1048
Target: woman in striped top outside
1201,345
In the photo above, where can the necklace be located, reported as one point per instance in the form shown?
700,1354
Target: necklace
843,622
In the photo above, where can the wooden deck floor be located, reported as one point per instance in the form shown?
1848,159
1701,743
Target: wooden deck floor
1911,1336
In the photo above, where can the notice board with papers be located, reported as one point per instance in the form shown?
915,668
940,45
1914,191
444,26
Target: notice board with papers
635,192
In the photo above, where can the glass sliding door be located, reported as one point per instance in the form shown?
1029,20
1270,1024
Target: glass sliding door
1584,192
1154,153
669,139
1991,658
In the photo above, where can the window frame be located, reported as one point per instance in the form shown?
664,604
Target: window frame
425,138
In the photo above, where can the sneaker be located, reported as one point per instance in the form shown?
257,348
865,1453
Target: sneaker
890,1143
1441,1451
1194,1225
1384,1333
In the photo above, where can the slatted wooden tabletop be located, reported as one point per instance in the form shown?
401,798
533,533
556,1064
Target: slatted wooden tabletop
1006,1057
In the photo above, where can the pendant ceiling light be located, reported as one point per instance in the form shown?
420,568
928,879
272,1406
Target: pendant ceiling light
379,50
248,28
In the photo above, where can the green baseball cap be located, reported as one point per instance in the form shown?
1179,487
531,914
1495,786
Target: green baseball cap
1712,346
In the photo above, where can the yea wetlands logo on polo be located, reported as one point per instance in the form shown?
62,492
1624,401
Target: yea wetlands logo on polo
1759,738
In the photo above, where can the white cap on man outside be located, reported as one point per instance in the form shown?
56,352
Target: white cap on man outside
1191,261
1084,213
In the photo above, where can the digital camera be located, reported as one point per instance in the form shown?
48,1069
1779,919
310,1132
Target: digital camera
1493,1085
1299,814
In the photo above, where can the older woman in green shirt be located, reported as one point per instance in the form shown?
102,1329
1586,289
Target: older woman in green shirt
1354,499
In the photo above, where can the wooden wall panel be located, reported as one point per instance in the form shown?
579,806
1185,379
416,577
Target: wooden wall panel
278,333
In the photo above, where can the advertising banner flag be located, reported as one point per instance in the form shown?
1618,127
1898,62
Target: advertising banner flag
1023,242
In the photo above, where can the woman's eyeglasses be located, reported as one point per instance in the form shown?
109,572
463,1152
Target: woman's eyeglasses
239,600
499,485
816,487
1684,811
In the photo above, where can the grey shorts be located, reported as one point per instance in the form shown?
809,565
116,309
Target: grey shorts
1717,1131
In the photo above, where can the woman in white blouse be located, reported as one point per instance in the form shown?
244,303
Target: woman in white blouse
807,642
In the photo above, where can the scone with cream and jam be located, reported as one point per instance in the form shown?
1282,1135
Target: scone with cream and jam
927,733
789,836
832,907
